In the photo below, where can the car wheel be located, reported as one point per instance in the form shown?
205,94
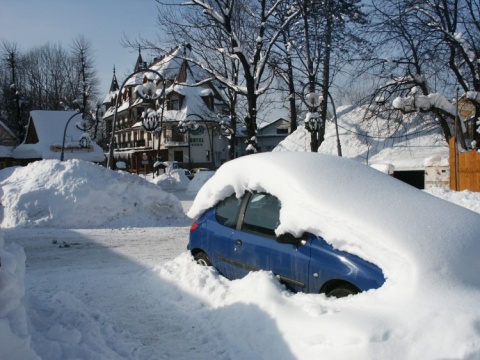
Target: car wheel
343,290
202,259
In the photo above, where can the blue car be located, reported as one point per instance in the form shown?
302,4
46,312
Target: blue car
237,235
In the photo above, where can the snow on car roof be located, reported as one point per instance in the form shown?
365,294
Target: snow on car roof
360,210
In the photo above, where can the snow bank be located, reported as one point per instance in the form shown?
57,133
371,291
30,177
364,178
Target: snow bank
14,334
46,193
363,139
198,180
174,180
427,249
465,198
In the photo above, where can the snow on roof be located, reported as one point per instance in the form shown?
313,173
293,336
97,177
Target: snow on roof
368,142
170,66
6,151
7,129
50,126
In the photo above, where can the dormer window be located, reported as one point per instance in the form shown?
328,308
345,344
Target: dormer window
209,101
175,102
208,98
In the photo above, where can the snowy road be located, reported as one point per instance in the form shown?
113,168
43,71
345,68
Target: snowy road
110,270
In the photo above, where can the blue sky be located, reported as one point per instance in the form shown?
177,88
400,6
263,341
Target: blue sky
29,23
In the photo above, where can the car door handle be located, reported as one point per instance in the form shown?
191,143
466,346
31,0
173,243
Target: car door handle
238,242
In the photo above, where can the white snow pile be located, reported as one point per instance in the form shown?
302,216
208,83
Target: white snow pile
465,198
47,193
427,248
375,140
172,180
63,328
14,334
200,178
429,307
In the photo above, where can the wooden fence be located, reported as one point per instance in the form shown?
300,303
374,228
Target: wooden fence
464,169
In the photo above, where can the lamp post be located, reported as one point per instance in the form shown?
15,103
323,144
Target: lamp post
147,92
150,122
312,120
185,127
65,133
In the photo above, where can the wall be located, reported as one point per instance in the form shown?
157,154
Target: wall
464,169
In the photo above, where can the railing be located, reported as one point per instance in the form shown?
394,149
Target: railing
130,144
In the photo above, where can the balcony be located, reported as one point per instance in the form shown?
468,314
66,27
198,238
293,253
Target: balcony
176,140
130,144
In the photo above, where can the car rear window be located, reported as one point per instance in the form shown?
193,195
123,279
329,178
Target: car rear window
227,211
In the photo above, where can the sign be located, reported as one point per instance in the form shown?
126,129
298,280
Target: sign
198,131
71,148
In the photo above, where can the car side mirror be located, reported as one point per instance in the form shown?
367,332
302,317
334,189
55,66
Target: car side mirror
288,238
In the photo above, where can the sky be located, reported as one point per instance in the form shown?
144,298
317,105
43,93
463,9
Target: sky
30,23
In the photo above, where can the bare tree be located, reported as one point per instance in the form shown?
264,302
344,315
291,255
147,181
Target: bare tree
11,87
242,34
315,51
432,49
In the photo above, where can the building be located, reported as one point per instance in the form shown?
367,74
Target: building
190,109
7,144
48,131
268,136
409,150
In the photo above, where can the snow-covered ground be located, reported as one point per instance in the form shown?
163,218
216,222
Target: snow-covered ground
94,266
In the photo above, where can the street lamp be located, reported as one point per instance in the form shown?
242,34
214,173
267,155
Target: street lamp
312,119
64,134
147,92
150,120
184,127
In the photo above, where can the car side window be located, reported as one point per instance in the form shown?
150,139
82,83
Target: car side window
262,215
227,211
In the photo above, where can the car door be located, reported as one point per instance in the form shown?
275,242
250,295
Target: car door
256,247
221,232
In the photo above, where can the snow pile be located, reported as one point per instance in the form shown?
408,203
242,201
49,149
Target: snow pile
47,193
198,180
62,328
137,294
172,180
427,249
14,334
374,140
465,198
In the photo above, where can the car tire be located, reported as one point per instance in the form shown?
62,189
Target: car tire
343,291
202,259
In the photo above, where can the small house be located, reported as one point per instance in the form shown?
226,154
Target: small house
50,131
7,144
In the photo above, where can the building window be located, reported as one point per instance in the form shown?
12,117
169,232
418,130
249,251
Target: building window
282,131
178,156
196,141
208,101
174,103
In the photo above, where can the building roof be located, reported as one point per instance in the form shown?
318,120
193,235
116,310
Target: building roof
407,145
45,137
175,66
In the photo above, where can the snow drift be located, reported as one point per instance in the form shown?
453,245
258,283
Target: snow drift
97,196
